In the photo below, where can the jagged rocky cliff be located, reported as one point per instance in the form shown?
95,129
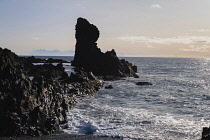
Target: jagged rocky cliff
90,57
38,106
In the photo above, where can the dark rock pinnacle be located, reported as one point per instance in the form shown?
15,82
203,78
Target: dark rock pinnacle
91,59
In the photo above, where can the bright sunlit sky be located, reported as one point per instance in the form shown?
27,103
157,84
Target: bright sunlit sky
143,28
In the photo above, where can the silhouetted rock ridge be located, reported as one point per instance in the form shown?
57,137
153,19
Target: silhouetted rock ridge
90,57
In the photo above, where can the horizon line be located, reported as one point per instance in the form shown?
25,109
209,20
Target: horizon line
118,56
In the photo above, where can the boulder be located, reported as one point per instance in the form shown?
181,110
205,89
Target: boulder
136,76
89,57
143,83
206,133
109,87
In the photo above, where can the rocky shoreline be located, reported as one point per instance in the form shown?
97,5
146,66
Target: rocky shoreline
63,136
37,106
35,99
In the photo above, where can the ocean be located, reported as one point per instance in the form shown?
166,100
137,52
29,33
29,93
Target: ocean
175,107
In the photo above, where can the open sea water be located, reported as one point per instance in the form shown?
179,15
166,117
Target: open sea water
175,107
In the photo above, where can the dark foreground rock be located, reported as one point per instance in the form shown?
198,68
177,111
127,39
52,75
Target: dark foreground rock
36,107
90,57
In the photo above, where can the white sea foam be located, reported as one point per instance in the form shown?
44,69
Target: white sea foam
132,123
175,107
80,124
31,77
38,63
68,68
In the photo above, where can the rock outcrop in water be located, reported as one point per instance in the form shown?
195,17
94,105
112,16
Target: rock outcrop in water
38,106
143,83
91,59
206,133
33,59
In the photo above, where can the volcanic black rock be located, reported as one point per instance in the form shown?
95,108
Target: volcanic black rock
28,107
37,106
143,83
32,59
89,57
206,133
109,87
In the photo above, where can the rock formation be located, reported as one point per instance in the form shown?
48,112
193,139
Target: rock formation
32,59
38,106
91,59
206,133
109,87
143,83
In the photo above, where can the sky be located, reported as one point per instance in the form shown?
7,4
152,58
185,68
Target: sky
134,28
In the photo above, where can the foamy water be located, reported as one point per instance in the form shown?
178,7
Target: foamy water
120,113
175,107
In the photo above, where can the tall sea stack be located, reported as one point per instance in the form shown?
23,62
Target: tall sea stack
89,57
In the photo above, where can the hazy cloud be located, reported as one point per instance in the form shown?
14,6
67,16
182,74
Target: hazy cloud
203,30
193,48
35,38
191,43
156,6
172,40
43,52
150,46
